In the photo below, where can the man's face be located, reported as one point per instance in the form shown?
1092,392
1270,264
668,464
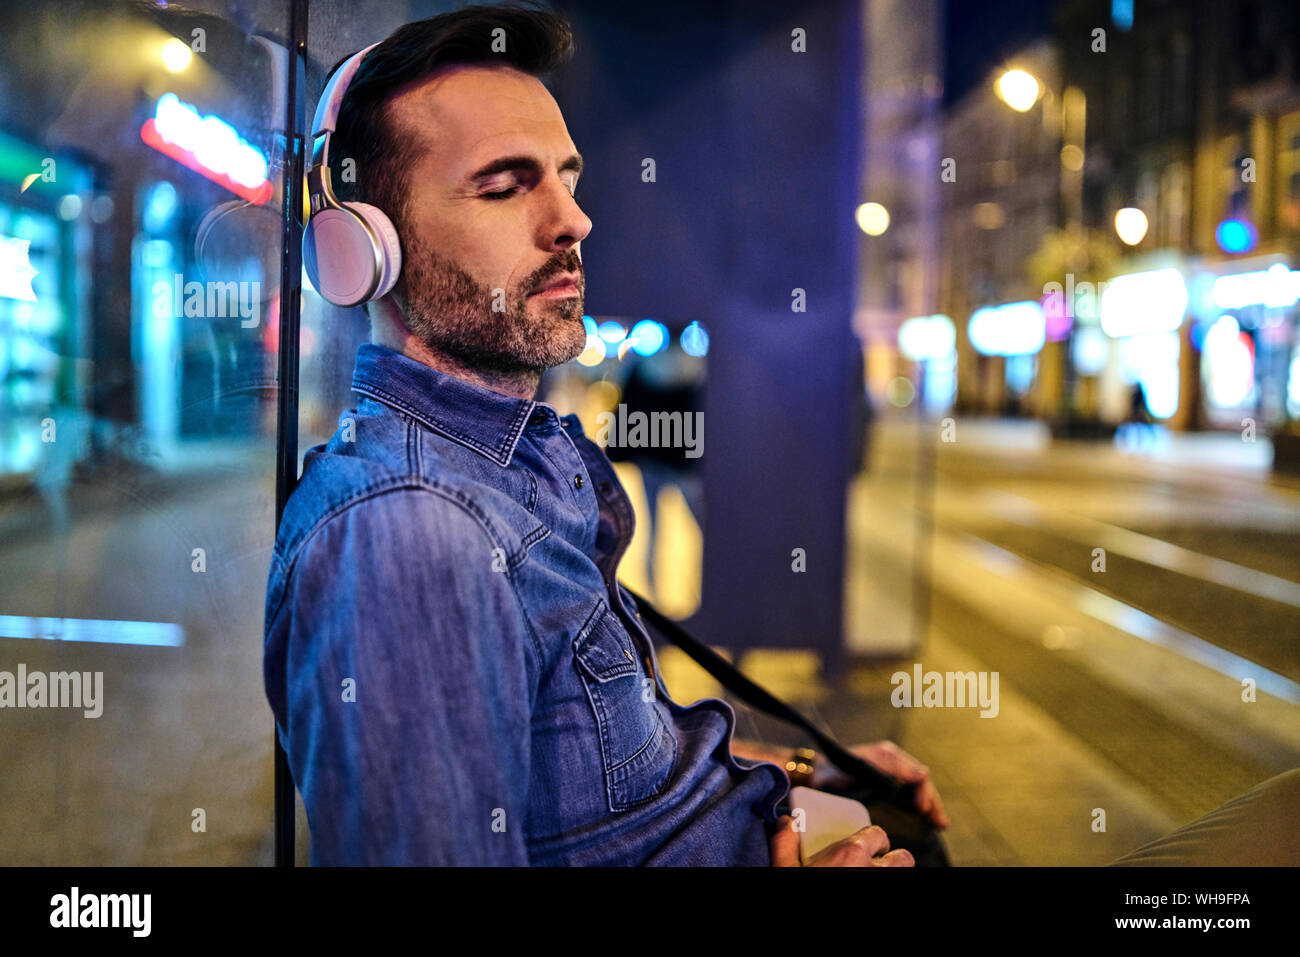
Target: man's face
490,218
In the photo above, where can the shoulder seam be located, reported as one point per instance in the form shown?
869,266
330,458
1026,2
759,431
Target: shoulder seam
417,484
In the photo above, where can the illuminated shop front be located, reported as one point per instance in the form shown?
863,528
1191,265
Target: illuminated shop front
1142,315
1245,330
1015,333
931,342
44,224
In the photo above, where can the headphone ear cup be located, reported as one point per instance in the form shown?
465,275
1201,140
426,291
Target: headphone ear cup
340,256
347,262
392,246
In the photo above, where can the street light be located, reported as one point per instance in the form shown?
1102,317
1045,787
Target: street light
873,219
175,55
1018,90
1131,225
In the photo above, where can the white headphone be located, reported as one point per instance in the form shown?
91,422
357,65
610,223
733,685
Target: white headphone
351,250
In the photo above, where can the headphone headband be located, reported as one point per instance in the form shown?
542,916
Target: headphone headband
351,251
331,98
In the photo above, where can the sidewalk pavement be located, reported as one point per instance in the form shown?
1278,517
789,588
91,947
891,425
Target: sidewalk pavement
1020,788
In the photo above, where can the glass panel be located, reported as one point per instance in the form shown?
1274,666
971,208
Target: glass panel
139,266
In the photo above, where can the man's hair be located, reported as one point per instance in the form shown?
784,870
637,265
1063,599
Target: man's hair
536,41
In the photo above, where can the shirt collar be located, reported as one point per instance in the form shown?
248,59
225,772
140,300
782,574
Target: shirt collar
476,417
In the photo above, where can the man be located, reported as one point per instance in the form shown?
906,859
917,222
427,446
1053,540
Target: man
456,676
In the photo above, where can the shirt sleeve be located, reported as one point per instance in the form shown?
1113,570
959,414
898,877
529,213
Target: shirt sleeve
409,688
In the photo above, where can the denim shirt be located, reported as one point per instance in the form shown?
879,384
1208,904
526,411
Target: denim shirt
457,677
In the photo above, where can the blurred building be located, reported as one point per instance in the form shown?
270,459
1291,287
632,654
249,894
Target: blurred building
138,235
1193,129
899,257
1003,179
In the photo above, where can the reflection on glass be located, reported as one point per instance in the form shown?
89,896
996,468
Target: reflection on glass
638,389
140,170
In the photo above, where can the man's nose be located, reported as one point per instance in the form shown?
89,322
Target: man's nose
566,224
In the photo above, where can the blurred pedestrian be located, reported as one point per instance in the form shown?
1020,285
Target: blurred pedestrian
662,387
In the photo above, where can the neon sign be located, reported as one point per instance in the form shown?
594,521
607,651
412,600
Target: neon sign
208,145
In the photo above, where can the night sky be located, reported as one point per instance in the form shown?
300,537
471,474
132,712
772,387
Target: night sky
980,33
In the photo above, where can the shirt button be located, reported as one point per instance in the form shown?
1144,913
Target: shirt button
537,418
577,481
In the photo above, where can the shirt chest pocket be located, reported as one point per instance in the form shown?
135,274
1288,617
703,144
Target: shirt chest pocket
637,747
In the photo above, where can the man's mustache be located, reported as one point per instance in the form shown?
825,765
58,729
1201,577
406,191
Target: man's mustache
570,262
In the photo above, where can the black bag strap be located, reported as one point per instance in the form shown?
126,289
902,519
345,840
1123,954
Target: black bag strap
874,784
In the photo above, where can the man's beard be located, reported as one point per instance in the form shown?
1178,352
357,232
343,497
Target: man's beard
452,313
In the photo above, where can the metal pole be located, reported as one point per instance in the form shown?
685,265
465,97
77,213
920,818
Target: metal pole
286,438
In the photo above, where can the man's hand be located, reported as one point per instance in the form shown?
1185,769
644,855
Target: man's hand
868,847
894,761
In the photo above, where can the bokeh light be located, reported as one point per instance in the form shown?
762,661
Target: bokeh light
176,55
1131,225
873,219
1018,90
900,392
